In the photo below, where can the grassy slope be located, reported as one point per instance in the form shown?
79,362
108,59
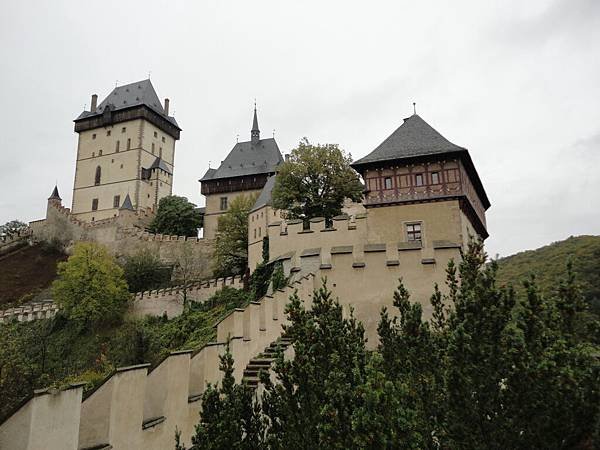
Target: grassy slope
549,265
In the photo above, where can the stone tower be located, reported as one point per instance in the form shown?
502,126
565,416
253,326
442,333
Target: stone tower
126,147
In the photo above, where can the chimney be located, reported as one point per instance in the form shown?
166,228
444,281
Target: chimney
166,106
94,103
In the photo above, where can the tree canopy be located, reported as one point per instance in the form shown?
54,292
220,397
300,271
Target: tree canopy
176,216
12,228
315,181
231,246
91,287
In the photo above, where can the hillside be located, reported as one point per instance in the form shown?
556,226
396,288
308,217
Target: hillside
548,263
27,271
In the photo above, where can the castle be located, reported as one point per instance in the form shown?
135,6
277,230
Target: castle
423,200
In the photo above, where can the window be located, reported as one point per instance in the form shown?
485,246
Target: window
160,152
155,134
94,204
98,176
99,152
388,182
128,143
419,179
121,166
108,132
413,232
94,136
153,148
253,219
435,178
163,139
223,203
117,145
123,130
255,233
116,201
93,154
259,231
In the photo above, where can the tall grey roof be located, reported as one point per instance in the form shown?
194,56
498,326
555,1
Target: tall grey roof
54,195
264,198
127,203
159,163
248,158
414,137
128,95
255,121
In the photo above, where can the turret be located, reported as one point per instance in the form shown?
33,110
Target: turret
255,132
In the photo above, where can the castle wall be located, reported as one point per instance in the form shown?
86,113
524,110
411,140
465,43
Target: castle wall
213,209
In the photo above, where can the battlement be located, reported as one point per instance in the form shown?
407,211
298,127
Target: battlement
147,236
139,407
27,313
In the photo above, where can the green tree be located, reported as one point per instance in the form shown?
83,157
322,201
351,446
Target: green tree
12,228
230,418
176,216
231,246
91,288
315,181
144,270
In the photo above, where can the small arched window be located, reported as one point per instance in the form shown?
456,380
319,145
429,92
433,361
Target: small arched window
98,176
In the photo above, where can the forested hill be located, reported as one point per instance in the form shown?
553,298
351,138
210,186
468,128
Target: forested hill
549,265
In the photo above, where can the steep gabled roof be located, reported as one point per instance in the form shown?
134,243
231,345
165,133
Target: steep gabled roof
160,164
128,95
414,137
264,198
54,195
247,158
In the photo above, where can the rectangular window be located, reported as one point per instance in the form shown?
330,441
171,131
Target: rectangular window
435,178
155,134
123,130
99,152
160,152
153,148
223,203
163,139
128,143
117,145
451,175
259,231
419,179
116,201
108,132
94,136
255,233
94,204
413,232
387,182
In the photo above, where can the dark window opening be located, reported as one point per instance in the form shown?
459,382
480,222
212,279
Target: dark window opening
118,144
116,201
108,132
94,204
128,143
223,203
413,232
98,176
123,130
94,136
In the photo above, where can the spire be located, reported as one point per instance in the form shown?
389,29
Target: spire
127,204
255,133
54,195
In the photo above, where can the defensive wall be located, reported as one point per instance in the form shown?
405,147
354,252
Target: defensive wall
363,259
123,234
140,407
13,242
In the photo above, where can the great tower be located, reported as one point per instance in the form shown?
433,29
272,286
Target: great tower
126,147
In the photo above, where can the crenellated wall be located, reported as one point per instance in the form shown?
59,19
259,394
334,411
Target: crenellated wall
140,408
10,243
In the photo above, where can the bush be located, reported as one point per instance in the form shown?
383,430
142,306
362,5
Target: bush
144,271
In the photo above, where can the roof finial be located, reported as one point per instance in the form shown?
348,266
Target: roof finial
415,108
273,133
237,138
149,73
116,83
255,132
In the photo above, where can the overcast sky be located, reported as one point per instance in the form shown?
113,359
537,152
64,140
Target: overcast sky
515,82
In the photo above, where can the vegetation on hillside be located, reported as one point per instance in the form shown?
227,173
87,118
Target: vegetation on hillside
12,228
548,265
492,369
231,245
176,216
144,270
315,181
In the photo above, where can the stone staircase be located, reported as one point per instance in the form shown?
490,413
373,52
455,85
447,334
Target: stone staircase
263,361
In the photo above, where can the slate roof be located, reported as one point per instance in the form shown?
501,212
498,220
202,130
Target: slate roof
264,198
54,195
247,158
414,137
128,95
127,203
159,163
